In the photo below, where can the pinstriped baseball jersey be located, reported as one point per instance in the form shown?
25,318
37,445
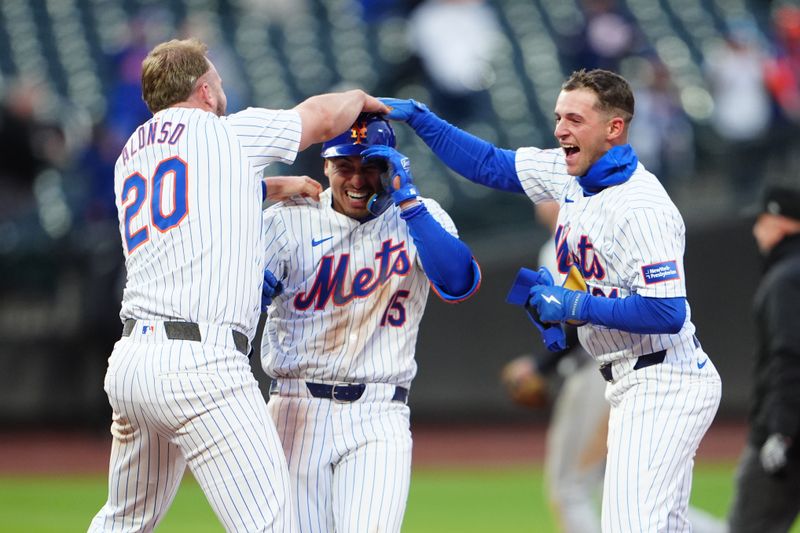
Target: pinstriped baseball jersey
354,294
189,213
350,311
189,199
628,239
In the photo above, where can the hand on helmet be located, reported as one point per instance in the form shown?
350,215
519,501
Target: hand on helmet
400,182
403,109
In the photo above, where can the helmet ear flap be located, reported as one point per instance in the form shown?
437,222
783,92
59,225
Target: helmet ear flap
381,200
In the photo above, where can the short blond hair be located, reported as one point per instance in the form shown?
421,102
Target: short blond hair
170,71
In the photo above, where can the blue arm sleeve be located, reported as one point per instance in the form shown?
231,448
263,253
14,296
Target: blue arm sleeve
473,158
447,261
637,314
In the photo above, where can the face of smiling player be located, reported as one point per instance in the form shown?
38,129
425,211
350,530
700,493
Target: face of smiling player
352,184
583,130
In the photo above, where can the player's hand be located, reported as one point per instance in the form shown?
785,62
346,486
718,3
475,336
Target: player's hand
525,280
400,183
524,383
773,454
271,288
557,304
400,109
374,105
283,187
552,334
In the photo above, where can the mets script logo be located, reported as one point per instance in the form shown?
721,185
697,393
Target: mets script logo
585,257
358,132
330,281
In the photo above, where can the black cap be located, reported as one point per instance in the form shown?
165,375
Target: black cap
781,200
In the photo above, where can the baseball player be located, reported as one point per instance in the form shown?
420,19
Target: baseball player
189,194
575,453
339,340
618,227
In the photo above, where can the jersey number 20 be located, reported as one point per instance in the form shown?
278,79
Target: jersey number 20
134,196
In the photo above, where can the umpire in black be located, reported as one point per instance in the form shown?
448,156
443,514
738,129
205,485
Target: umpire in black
768,479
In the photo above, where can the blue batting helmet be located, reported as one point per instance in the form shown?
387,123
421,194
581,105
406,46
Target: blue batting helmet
369,129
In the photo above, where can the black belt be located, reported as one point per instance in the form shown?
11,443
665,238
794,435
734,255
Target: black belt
655,358
188,331
343,392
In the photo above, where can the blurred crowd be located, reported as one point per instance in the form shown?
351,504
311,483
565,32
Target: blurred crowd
736,128
752,77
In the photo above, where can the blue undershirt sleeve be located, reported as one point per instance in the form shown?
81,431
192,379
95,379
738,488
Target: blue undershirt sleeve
637,314
473,158
447,261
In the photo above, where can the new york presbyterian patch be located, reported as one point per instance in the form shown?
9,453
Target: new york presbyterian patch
658,272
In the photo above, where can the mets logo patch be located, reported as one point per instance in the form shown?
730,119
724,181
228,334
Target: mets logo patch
658,272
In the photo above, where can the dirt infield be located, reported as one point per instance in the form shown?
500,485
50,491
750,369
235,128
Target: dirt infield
37,452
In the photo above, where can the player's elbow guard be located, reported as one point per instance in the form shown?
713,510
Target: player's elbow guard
456,296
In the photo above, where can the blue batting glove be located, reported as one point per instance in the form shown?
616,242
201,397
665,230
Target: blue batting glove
557,304
552,334
545,277
271,288
403,109
527,278
398,182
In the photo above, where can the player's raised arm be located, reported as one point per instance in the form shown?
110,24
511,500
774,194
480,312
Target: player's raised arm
282,187
468,155
453,272
327,115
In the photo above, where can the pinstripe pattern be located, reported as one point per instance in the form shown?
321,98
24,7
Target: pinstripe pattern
350,463
341,342
630,225
178,403
660,413
184,403
220,241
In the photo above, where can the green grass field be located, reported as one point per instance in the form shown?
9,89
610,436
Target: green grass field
441,500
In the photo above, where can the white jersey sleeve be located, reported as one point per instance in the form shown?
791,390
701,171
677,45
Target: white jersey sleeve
542,173
267,136
279,247
651,242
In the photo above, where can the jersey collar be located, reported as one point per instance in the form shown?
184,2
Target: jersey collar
615,167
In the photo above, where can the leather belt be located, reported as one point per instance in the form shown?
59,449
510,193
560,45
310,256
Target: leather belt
343,392
188,331
655,358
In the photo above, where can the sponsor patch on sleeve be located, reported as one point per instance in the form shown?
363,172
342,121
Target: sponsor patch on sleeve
658,272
